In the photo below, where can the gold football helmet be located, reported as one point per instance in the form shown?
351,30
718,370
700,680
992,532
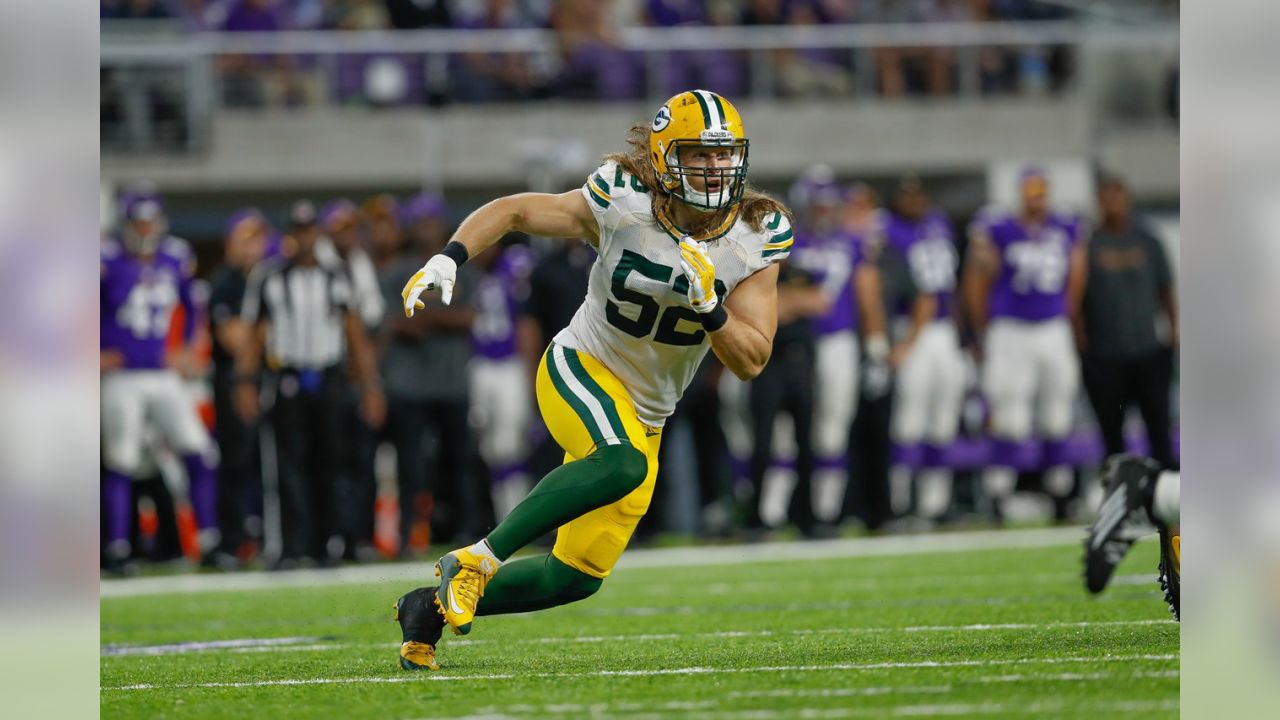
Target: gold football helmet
699,118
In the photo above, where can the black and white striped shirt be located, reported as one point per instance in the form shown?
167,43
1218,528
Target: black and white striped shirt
305,307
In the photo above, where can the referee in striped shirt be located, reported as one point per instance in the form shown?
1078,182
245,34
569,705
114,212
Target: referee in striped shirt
304,320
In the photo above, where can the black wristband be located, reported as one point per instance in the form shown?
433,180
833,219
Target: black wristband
714,320
456,252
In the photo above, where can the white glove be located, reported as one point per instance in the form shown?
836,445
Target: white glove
701,275
440,272
877,376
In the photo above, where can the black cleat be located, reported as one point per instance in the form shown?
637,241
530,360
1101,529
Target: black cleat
1171,568
420,627
1123,517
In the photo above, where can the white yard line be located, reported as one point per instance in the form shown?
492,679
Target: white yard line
896,582
942,689
718,555
1033,626
702,710
180,648
1075,677
310,644
838,667
841,692
658,611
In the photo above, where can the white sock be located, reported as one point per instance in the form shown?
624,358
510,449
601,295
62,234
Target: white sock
482,549
900,477
1059,480
998,482
935,493
828,494
1167,505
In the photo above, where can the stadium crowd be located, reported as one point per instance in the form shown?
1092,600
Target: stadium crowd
589,61
913,381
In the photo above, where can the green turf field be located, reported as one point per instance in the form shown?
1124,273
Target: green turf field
919,631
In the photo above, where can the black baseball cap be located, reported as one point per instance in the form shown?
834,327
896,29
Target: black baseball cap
303,214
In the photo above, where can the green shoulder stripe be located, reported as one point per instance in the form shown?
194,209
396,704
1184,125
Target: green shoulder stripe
777,220
782,237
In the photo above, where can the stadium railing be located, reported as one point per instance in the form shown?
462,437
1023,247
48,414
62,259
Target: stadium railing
180,70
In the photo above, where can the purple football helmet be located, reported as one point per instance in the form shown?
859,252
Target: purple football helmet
145,224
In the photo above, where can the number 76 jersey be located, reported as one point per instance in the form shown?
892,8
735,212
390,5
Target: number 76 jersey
1034,262
636,319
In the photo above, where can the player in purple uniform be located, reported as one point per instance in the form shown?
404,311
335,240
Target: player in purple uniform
501,399
930,367
837,260
1021,272
145,274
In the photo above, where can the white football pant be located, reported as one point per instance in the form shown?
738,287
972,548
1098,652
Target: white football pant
1031,373
501,407
835,404
930,388
926,409
134,399
1031,379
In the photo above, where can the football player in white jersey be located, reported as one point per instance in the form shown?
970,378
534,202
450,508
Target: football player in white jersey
687,261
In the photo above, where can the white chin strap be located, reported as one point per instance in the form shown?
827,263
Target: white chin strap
704,200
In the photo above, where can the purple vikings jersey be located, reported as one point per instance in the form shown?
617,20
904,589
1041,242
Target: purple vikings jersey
929,249
831,259
1034,262
137,300
497,300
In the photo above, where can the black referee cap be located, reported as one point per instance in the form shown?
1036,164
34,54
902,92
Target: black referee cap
303,214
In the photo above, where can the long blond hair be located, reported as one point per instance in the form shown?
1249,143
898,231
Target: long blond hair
755,205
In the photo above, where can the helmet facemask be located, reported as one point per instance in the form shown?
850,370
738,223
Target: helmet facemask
730,182
144,228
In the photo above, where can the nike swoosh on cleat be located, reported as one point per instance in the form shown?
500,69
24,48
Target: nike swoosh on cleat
453,603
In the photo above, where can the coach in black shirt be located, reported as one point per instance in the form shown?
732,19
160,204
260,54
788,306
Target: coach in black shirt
245,243
1125,362
301,310
787,385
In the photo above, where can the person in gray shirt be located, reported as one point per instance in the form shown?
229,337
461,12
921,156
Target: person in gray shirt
424,371
1125,361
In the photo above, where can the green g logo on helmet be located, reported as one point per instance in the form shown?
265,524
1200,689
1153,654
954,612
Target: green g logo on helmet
662,119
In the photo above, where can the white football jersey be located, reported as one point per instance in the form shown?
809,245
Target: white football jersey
636,318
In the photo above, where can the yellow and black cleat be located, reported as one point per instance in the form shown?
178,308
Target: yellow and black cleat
420,628
418,656
463,578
